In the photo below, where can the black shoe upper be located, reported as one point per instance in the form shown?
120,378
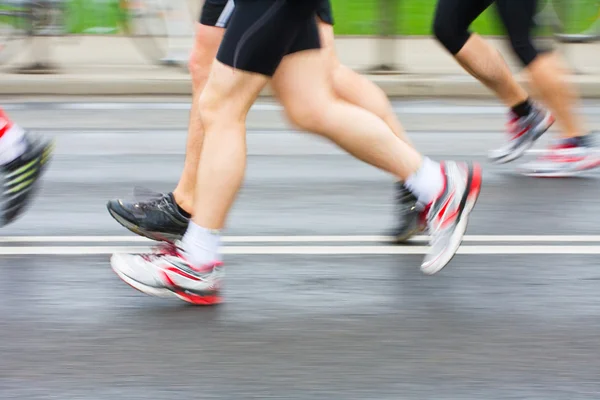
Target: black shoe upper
155,218
408,214
20,177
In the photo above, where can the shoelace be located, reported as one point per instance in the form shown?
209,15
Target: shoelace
154,203
145,198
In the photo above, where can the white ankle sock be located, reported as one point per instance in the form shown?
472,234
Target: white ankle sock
427,183
201,245
12,144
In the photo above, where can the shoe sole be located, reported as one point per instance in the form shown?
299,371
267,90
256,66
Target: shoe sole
403,239
519,151
156,236
468,203
589,166
164,293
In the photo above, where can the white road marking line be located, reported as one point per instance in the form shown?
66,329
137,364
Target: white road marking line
308,239
309,250
401,108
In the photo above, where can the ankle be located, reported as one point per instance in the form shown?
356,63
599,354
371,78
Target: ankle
201,245
184,200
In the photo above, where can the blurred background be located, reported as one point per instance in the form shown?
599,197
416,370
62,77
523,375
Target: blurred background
69,33
318,304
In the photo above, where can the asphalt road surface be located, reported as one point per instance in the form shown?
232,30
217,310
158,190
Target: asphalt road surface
318,305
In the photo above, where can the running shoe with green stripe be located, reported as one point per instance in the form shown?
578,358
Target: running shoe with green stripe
20,178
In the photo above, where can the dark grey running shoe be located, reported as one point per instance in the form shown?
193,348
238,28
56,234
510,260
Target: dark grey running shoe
20,178
411,219
158,218
523,132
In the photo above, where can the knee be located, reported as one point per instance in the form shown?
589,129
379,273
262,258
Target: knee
451,36
217,111
213,109
208,109
307,115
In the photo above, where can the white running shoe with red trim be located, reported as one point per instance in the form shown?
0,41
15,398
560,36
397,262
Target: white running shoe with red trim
167,273
448,214
564,158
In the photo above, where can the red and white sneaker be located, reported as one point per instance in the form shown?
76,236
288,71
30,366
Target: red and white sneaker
166,273
565,158
448,214
523,133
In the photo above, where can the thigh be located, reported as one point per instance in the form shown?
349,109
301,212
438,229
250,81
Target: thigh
303,80
261,32
217,12
229,94
518,17
460,13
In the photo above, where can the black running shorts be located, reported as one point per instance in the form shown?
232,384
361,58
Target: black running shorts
454,17
218,12
262,32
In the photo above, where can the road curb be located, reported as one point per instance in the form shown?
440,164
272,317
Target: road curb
454,86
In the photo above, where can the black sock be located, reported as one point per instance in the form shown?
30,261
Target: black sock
522,109
183,212
580,141
179,209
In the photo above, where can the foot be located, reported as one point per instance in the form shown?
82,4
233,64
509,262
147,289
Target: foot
448,215
523,133
567,157
410,215
158,218
166,273
20,178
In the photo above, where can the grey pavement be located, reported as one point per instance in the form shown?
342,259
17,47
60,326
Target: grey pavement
97,65
299,326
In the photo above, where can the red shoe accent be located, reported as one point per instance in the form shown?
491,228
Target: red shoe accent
519,134
476,181
5,123
200,300
210,300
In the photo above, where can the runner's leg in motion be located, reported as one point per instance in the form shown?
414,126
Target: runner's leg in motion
166,216
358,90
480,59
301,84
265,35
209,33
575,152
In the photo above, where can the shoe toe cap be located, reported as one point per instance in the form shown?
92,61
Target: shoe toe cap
122,208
